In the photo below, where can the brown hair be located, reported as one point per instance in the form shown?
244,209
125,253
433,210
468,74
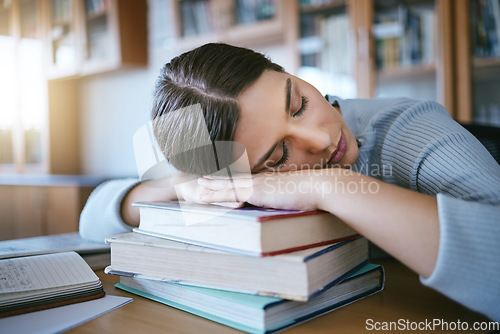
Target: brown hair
207,79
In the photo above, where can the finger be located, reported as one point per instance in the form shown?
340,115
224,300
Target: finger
226,195
226,177
213,184
219,184
232,205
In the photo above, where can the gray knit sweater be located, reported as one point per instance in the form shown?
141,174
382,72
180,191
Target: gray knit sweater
416,145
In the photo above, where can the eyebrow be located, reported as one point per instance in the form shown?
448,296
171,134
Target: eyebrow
288,93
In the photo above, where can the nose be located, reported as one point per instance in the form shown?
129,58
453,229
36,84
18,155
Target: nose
312,139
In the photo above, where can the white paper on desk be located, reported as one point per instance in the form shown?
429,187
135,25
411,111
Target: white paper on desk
59,319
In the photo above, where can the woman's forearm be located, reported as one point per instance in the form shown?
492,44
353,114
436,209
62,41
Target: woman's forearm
157,190
175,187
402,222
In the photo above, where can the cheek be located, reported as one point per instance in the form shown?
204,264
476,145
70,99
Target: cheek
328,115
353,150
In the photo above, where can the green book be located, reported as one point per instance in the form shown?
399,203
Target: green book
254,313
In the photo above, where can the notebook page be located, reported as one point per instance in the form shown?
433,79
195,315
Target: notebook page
43,271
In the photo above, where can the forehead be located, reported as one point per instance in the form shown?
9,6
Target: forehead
262,107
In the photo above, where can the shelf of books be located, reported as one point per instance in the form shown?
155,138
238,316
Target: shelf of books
485,49
63,47
326,48
405,49
100,44
252,22
92,36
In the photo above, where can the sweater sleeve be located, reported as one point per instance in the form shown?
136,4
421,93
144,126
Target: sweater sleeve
468,263
433,154
101,218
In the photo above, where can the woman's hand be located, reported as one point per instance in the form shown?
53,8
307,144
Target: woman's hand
294,190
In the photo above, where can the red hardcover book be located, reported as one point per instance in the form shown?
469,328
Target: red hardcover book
248,230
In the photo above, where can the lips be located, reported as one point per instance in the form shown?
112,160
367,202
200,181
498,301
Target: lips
339,152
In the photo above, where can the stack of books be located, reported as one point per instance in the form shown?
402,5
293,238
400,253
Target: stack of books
254,269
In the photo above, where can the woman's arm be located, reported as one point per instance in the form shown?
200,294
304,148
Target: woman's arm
109,209
402,222
176,187
142,192
101,216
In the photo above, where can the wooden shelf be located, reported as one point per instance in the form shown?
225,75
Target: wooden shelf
93,15
256,34
486,69
486,62
406,73
61,23
323,8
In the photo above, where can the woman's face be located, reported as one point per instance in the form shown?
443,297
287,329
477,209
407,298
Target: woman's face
286,123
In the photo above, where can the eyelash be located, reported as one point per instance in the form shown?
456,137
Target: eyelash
284,158
303,107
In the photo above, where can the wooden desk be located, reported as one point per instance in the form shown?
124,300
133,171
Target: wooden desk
403,298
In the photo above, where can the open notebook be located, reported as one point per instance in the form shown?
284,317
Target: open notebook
37,282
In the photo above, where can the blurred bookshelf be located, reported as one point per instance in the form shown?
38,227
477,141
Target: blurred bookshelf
325,47
478,61
252,23
62,35
406,35
94,36
442,50
39,114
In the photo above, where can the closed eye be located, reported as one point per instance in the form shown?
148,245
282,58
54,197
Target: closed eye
284,158
303,106
299,112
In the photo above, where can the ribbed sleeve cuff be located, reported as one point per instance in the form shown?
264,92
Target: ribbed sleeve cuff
101,217
468,264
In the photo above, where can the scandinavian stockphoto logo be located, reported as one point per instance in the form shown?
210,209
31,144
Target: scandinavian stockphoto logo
190,146
223,160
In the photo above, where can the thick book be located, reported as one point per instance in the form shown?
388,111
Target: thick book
297,275
252,313
249,230
44,281
97,255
